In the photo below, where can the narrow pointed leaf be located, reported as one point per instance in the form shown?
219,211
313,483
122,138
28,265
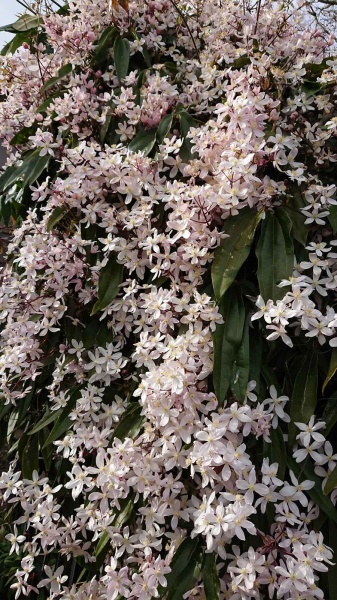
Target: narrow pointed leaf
121,57
63,422
48,418
234,249
275,254
210,577
304,396
111,276
332,368
104,44
131,422
331,483
227,340
241,367
62,73
56,216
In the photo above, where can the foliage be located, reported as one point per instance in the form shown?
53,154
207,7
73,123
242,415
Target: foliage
167,309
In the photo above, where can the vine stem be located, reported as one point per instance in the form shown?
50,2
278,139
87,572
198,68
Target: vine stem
179,11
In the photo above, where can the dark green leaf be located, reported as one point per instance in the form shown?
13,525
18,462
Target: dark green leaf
90,333
275,254
241,366
56,216
179,585
234,249
62,73
232,310
164,127
131,422
34,167
143,142
121,57
111,276
22,136
304,396
227,340
330,413
332,368
333,217
104,44
210,577
182,558
63,422
255,357
49,417
30,169
332,572
293,209
186,122
331,483
30,457
278,451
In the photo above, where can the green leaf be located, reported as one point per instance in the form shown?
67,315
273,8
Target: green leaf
181,559
331,482
121,57
275,254
63,422
330,414
131,422
278,451
30,457
293,208
15,43
306,471
227,340
56,216
48,418
332,368
110,278
164,127
62,73
241,366
104,541
233,250
333,217
186,122
104,44
255,357
332,571
34,167
30,169
143,142
304,396
232,310
22,136
127,507
24,23
178,585
210,577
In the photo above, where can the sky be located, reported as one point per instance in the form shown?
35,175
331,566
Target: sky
8,12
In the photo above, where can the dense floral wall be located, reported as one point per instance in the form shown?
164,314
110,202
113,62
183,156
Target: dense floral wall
168,324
